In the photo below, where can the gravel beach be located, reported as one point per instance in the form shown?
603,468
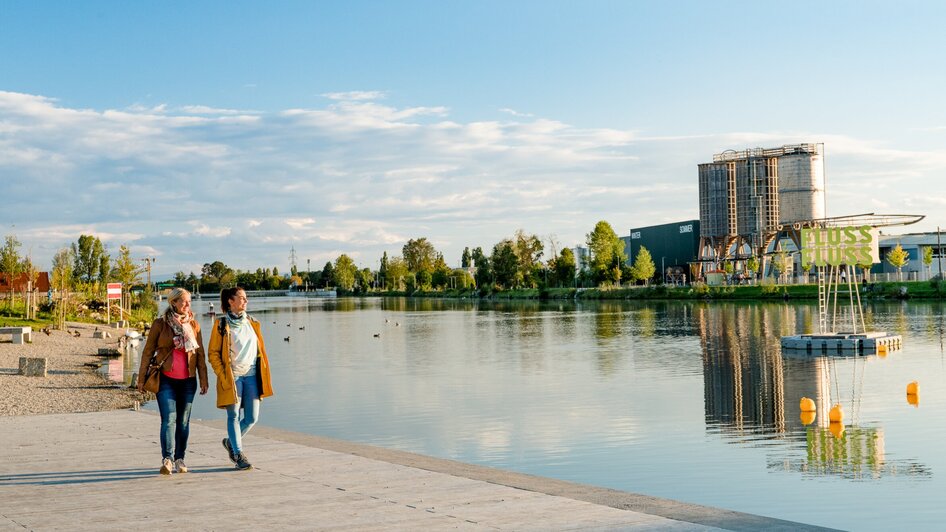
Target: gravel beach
70,385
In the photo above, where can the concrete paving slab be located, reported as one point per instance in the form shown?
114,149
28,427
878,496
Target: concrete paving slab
99,471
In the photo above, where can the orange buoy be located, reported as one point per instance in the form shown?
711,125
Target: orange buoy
913,399
836,415
836,429
913,388
807,404
807,418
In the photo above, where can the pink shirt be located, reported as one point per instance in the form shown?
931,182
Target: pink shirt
179,369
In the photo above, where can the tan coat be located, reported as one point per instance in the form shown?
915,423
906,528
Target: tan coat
218,352
161,340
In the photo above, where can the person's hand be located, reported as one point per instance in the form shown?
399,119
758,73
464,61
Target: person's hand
203,389
141,386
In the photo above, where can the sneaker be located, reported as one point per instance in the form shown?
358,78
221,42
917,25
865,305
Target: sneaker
166,466
226,445
179,466
242,462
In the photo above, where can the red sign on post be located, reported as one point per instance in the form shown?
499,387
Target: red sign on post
114,290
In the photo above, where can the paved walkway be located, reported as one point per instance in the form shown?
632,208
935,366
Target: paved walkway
98,471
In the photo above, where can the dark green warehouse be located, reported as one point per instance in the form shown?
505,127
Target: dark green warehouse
673,247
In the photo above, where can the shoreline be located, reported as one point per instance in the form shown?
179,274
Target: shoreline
71,386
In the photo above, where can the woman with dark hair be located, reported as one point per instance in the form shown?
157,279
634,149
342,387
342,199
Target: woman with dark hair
175,336
238,357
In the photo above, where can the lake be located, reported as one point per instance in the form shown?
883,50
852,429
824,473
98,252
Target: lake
686,400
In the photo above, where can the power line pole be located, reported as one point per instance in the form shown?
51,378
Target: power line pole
149,261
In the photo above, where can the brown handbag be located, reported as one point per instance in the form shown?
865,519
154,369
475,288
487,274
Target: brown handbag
153,374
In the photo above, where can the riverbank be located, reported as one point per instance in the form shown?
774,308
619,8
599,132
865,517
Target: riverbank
70,385
761,292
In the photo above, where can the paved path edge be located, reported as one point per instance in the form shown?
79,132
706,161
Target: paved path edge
668,508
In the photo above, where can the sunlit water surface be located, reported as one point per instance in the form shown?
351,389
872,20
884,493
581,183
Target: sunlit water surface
689,401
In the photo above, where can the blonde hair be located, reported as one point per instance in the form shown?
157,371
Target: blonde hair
176,295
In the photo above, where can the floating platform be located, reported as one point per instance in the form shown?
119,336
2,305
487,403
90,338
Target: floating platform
843,343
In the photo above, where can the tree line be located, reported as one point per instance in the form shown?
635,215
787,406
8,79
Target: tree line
515,262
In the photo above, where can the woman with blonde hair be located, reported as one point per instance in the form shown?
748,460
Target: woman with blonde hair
175,337
238,357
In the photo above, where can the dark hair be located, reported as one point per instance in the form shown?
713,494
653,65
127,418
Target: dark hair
225,296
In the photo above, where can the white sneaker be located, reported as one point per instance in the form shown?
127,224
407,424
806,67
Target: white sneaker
179,466
166,466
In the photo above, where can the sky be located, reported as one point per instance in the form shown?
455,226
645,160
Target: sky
238,131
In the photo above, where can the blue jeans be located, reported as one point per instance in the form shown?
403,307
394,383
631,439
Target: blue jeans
247,392
175,399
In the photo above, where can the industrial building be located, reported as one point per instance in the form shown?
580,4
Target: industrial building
748,196
673,247
913,244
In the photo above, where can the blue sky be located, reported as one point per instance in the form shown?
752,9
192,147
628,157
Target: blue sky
201,131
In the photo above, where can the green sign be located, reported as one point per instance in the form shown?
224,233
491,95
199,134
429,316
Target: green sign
835,246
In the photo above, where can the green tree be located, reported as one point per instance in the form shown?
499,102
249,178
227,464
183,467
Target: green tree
898,258
565,268
780,263
126,272
928,259
345,270
88,254
644,268
440,276
419,255
528,252
62,282
484,272
10,263
396,274
467,259
505,265
752,265
607,253
328,275
383,268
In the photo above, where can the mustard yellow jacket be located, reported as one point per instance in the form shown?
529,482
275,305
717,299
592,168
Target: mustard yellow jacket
218,352
161,341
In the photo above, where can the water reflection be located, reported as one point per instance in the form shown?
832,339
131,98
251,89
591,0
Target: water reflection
752,392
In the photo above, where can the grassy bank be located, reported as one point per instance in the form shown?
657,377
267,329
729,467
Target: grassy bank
874,291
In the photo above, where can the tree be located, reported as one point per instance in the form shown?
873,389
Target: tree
505,264
383,268
345,270
466,260
607,253
88,253
62,281
10,262
898,258
928,259
781,262
484,272
644,268
126,272
328,275
396,273
752,265
419,255
440,277
528,252
565,268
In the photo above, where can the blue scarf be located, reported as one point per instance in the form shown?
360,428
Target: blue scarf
236,321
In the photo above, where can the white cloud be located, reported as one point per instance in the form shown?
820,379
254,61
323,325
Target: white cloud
195,184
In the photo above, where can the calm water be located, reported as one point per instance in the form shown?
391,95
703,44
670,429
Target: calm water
688,401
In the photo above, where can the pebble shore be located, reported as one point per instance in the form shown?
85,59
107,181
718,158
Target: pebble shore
70,386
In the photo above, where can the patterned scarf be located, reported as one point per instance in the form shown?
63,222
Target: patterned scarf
236,321
184,337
